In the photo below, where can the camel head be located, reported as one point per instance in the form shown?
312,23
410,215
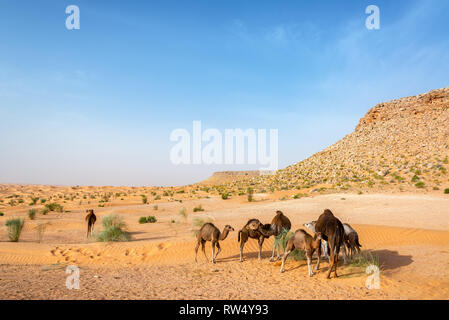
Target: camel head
90,211
310,225
228,228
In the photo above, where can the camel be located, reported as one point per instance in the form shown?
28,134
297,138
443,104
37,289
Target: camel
311,227
332,231
209,232
301,240
280,222
253,229
350,245
351,240
90,218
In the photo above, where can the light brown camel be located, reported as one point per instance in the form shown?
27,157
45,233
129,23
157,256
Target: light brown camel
209,232
332,231
90,218
253,229
280,222
301,240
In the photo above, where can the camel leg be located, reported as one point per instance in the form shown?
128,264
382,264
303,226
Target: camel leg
196,250
331,263
272,255
203,248
242,244
284,256
219,249
317,267
345,258
324,245
213,252
309,263
336,264
261,239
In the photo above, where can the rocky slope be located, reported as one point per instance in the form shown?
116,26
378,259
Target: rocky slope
401,144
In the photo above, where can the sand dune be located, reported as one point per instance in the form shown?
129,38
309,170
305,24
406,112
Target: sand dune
408,233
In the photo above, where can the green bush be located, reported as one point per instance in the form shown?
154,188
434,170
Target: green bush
144,199
114,229
1,214
158,197
54,207
142,220
151,219
32,214
250,193
446,191
14,228
419,185
45,211
225,196
198,208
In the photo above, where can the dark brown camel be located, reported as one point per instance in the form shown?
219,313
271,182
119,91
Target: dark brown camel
332,231
209,232
253,229
279,223
90,218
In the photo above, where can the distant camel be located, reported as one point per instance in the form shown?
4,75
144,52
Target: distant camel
90,218
253,229
209,232
280,222
332,231
301,240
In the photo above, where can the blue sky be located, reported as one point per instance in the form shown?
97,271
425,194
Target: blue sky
96,106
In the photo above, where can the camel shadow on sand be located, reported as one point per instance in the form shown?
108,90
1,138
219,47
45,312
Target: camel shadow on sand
389,260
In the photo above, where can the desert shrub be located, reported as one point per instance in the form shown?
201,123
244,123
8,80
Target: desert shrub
142,220
43,200
151,219
419,184
158,197
250,193
54,207
33,201
446,191
114,229
32,214
45,211
198,208
183,213
14,228
1,214
225,196
180,191
165,194
40,228
365,259
415,178
144,199
155,207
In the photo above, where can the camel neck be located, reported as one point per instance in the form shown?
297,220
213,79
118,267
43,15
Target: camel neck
224,234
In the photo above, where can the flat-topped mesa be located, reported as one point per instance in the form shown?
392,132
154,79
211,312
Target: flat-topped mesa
230,176
435,100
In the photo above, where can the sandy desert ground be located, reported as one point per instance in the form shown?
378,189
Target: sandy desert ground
408,232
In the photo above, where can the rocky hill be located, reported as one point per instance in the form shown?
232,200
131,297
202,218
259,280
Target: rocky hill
401,144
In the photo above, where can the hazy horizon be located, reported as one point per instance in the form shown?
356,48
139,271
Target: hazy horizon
96,106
